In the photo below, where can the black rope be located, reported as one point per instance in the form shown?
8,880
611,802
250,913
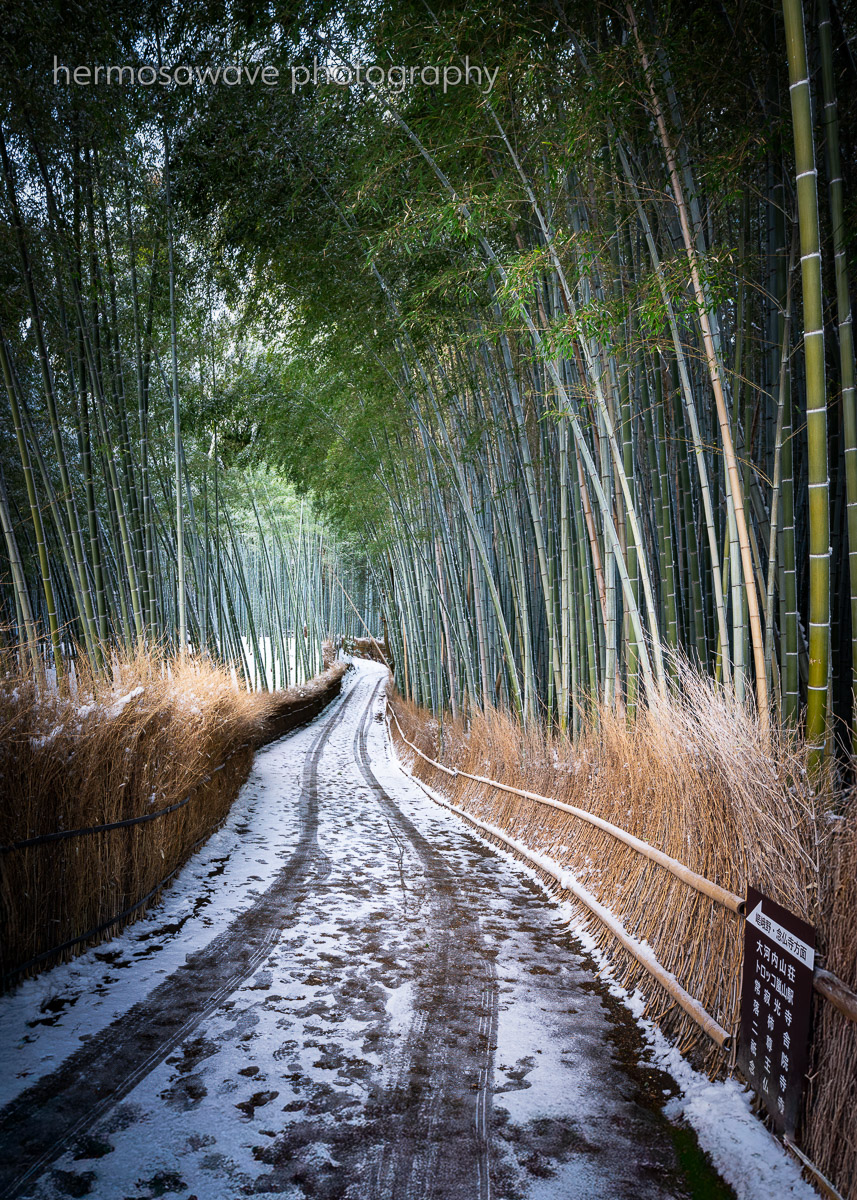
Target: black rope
127,912
84,937
61,834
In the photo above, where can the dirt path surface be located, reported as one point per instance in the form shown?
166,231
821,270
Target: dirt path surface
355,998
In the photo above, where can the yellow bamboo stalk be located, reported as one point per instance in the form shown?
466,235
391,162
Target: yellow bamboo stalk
816,389
713,364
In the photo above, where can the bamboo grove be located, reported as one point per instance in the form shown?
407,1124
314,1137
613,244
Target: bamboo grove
624,409
570,354
129,516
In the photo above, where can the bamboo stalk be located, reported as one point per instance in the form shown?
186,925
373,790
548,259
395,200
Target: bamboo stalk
816,392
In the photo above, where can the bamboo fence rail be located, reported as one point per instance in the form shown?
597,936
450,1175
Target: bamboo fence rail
825,983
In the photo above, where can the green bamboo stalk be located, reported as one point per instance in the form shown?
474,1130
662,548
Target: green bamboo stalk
830,121
35,512
180,527
816,393
22,596
707,327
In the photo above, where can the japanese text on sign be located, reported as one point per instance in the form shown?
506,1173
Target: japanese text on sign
779,955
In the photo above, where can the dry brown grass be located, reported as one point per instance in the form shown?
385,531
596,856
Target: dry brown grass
692,777
119,748
371,648
832,1101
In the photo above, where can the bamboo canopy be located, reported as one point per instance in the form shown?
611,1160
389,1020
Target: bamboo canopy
552,342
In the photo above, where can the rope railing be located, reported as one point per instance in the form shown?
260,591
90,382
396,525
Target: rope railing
828,985
643,954
61,834
16,972
713,890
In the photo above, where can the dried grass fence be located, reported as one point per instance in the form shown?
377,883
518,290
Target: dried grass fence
368,647
103,802
831,1134
692,777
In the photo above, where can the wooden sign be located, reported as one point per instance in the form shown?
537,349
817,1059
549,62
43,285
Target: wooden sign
776,997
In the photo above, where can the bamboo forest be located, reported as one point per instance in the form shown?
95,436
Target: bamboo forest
486,369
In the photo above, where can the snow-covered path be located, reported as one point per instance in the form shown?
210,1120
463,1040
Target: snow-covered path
345,994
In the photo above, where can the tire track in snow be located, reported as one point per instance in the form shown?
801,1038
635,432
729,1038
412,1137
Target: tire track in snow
37,1126
439,1108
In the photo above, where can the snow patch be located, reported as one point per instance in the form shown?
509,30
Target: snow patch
400,1008
116,707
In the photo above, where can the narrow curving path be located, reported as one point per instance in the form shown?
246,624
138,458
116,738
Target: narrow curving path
356,998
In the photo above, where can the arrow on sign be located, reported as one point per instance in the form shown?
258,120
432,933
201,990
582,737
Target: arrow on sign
786,941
